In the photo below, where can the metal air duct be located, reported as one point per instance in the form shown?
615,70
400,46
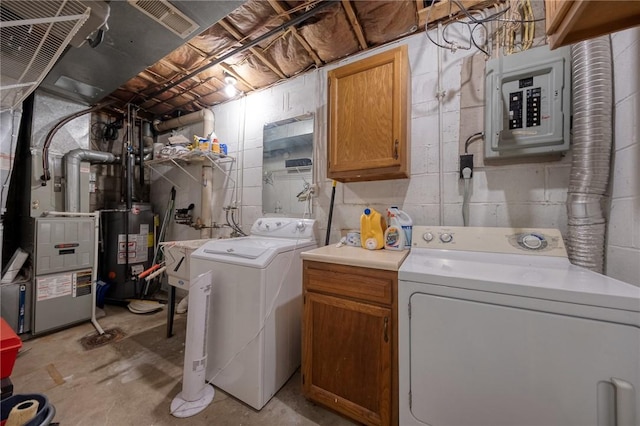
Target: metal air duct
592,140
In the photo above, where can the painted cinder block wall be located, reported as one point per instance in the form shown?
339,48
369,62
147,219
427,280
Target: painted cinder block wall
623,249
522,193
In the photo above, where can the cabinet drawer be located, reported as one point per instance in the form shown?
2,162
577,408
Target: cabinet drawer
372,285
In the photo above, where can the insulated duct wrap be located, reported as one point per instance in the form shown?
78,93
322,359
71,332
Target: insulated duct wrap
592,140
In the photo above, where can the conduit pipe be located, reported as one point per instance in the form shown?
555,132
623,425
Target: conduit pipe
591,151
46,174
206,197
72,161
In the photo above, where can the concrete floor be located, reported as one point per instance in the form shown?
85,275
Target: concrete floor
132,381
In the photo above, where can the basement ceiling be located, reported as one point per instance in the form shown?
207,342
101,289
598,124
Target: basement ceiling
333,30
258,42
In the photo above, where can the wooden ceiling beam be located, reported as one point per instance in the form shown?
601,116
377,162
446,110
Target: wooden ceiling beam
275,5
258,52
355,24
223,65
448,8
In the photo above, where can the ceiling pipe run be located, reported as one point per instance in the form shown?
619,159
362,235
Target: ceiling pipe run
72,161
204,115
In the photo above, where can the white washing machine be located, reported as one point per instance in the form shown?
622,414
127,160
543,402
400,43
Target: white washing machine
496,327
253,325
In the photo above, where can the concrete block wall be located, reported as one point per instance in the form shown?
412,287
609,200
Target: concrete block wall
623,248
518,193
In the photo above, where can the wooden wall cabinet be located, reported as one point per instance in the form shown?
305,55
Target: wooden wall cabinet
570,21
349,351
369,103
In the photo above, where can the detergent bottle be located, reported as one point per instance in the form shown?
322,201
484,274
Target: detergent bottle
403,220
372,227
394,236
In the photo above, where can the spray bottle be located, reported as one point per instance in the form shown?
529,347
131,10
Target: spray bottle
394,235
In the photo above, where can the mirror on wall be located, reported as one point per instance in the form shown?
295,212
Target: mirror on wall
287,166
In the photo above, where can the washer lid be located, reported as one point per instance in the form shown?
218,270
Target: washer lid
251,251
542,277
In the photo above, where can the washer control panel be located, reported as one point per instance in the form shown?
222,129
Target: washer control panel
284,227
544,242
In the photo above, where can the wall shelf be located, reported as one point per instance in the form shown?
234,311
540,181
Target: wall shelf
191,157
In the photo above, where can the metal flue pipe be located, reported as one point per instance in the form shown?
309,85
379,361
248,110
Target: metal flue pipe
72,160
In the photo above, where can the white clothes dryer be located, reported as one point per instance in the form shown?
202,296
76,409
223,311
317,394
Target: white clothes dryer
497,327
253,324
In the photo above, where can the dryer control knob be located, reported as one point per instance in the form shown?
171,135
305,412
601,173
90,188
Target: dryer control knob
446,238
428,237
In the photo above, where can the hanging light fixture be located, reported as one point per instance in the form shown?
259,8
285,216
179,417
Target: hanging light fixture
230,89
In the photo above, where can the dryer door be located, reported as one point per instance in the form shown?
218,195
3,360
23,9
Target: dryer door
475,363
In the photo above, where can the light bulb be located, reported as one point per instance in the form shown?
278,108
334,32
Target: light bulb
230,90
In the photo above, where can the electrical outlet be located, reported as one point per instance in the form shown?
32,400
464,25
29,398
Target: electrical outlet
466,160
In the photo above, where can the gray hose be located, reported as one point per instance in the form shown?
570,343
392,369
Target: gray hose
591,151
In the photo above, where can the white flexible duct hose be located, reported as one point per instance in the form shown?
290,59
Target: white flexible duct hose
591,150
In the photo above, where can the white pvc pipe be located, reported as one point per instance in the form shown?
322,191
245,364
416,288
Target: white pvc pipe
204,115
440,96
94,270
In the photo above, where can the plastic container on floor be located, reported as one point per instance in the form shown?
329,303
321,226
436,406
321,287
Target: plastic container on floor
45,414
10,343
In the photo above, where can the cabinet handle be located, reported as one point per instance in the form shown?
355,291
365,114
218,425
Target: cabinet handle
386,328
625,403
395,149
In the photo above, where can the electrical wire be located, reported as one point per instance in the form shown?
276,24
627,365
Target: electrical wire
470,140
473,20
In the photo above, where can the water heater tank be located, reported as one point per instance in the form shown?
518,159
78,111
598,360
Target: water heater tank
115,269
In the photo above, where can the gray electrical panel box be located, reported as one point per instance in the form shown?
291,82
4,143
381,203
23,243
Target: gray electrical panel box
527,103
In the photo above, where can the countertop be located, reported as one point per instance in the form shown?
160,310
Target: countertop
389,260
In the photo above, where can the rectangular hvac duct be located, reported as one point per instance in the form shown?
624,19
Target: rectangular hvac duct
166,15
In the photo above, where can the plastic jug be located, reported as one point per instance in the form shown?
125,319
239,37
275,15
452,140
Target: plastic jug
372,227
402,219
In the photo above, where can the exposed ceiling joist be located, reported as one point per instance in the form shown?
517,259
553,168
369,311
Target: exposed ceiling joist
448,8
353,20
284,15
258,52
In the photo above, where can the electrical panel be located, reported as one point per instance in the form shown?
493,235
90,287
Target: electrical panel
527,103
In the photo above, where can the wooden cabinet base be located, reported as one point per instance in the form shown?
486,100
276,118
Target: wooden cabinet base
349,354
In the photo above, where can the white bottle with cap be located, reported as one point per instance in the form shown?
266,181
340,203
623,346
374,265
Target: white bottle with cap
403,220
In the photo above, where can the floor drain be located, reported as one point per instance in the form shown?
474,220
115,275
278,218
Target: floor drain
96,340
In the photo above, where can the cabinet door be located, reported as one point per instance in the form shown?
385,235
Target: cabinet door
346,361
368,126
